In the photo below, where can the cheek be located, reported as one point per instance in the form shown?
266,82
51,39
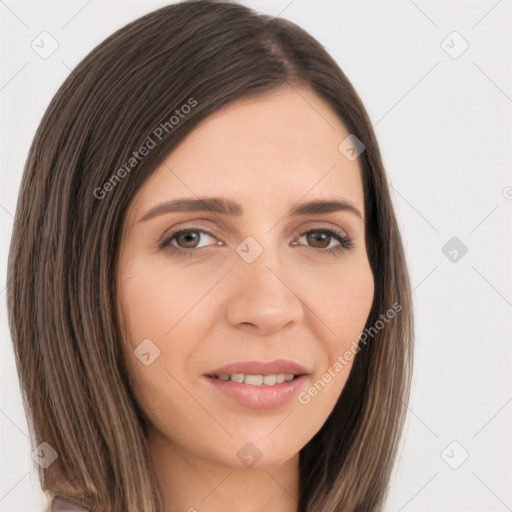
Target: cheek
346,300
158,305
341,296
349,305
164,307
154,300
343,302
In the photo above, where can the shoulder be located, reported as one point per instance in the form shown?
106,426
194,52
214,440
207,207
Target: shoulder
60,503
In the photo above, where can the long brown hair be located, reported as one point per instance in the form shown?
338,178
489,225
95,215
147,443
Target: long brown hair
61,290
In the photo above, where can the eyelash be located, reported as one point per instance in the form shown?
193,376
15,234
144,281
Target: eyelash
346,243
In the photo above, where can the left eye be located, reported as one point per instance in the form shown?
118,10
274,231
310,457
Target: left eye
187,239
321,235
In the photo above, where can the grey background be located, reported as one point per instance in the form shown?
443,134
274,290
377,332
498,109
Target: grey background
444,128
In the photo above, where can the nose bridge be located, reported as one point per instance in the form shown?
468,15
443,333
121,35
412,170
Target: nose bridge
264,293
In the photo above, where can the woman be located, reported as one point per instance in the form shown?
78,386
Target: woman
208,295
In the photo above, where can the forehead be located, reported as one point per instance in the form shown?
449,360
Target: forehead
273,149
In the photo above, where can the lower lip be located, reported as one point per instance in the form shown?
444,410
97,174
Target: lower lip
259,397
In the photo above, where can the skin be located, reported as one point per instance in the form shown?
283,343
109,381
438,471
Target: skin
295,301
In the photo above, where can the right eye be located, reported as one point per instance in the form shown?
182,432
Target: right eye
185,240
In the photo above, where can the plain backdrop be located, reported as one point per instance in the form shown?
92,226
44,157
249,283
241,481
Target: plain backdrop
435,78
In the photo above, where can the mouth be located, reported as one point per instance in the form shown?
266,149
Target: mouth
284,369
257,379
257,384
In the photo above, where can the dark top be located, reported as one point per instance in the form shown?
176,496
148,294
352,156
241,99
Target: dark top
60,503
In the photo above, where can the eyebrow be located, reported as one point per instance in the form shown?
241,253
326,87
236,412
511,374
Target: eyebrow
229,207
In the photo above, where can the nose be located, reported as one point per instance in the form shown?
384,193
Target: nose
264,298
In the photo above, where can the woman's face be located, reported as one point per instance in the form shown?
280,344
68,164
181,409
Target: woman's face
247,283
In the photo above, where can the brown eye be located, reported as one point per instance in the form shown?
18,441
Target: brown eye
322,238
185,239
315,237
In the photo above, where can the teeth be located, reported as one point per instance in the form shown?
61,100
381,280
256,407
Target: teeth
269,380
254,380
257,380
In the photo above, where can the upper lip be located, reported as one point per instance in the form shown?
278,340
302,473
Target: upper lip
261,368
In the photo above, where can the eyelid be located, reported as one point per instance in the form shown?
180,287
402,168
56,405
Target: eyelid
195,224
186,226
